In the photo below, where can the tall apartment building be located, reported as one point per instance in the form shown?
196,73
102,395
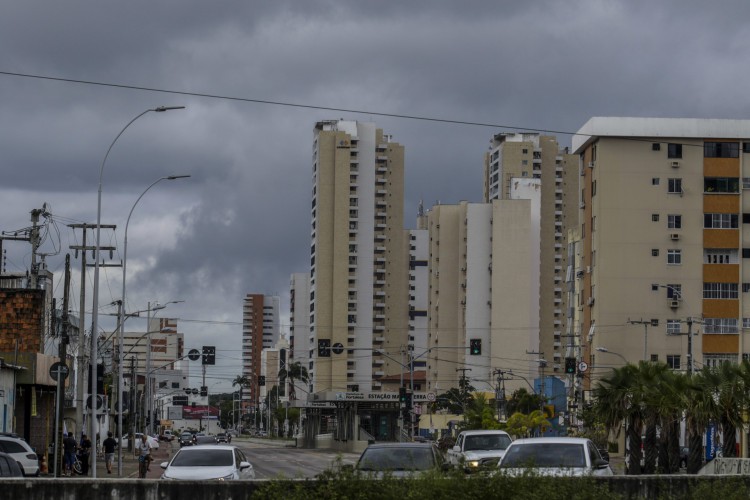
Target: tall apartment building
299,317
664,240
515,156
417,243
358,290
260,330
484,289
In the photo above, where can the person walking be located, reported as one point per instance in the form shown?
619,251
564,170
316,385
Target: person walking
85,453
109,451
143,447
69,452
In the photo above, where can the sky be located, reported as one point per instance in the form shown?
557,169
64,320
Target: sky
256,76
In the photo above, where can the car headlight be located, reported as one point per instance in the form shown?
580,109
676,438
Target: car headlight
229,477
472,463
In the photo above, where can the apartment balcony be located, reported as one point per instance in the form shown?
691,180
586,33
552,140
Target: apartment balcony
558,323
351,371
379,373
557,345
379,316
379,293
558,191
376,385
558,168
379,328
380,260
381,169
558,246
558,269
381,180
381,158
378,362
558,312
379,339
381,192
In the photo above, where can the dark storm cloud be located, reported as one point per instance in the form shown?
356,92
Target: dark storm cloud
241,223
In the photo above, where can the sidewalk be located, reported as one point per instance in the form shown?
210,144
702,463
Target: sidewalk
130,463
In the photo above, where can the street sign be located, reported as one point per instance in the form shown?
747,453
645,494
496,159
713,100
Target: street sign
194,355
338,348
583,366
58,368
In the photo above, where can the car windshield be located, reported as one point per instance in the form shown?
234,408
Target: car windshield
487,442
203,458
395,458
544,455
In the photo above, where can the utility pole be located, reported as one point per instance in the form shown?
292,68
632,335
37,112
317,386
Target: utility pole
690,346
500,393
63,353
81,347
462,385
133,397
645,335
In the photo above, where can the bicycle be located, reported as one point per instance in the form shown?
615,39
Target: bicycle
143,465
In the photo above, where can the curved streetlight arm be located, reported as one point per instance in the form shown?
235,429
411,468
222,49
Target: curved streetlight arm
95,300
604,349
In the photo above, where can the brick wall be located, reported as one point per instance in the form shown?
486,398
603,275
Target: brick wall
21,317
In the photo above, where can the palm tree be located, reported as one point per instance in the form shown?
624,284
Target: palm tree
620,398
732,400
294,371
480,415
701,409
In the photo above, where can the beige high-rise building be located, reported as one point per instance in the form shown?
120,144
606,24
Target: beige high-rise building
515,156
483,290
663,240
358,277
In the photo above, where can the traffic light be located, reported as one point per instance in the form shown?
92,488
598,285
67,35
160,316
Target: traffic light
209,355
409,399
475,347
570,365
324,348
261,380
402,396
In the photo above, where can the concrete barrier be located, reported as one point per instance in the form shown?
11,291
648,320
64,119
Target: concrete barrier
628,487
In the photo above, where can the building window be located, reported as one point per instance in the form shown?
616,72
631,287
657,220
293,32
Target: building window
673,327
720,291
654,358
654,181
720,325
720,256
716,360
673,361
745,322
654,217
674,291
674,221
746,147
674,186
525,151
674,257
721,150
721,184
655,146
654,252
674,150
720,221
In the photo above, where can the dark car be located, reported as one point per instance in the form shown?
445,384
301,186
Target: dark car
203,439
186,439
9,467
401,459
224,437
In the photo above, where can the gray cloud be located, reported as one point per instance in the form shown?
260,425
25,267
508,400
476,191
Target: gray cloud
241,223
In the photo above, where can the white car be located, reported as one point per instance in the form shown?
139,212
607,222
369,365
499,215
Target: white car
478,448
554,456
208,462
20,450
152,440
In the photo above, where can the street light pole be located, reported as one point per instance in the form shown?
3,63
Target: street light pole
95,300
604,349
122,313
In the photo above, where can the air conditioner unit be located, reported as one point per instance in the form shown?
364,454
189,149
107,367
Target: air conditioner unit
591,301
588,269
591,164
674,236
675,164
579,274
674,304
582,205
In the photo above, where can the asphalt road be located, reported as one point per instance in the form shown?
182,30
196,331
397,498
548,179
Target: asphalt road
272,462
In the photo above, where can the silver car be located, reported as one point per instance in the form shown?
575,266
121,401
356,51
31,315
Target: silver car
558,456
208,462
